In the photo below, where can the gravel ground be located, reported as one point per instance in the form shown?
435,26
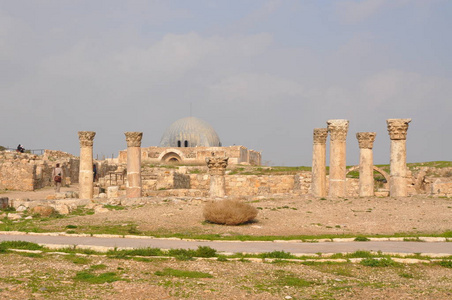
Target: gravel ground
54,277
288,216
280,215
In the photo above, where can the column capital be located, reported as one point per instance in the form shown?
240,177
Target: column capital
366,139
320,135
86,138
397,128
133,138
338,129
217,165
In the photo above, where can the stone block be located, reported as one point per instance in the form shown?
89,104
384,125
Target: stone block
62,209
112,192
14,216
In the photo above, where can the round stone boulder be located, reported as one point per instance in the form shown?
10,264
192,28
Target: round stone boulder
43,211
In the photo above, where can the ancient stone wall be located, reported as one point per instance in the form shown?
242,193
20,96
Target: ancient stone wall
54,155
442,187
195,155
17,175
181,181
27,172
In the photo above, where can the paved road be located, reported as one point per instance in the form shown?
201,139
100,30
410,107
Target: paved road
237,246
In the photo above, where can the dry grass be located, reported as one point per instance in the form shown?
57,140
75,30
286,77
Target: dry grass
229,212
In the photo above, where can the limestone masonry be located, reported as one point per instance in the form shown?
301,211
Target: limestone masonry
133,176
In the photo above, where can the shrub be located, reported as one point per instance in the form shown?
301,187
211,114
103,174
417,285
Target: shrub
372,262
229,212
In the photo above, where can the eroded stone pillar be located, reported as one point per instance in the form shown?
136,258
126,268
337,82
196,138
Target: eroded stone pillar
366,163
217,167
338,134
318,183
86,187
134,188
397,129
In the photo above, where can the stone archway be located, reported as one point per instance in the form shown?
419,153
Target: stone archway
377,169
171,157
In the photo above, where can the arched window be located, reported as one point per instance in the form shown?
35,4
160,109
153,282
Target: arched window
186,143
178,143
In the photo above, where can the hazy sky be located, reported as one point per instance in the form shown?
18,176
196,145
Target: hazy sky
264,74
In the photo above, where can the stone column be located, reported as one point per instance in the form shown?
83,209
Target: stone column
133,189
85,180
397,129
318,183
338,135
366,163
217,167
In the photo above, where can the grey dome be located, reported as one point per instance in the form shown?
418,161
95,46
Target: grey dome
190,132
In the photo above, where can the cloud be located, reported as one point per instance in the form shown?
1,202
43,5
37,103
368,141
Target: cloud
356,11
408,90
255,87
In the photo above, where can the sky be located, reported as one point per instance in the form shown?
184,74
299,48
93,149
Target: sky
263,73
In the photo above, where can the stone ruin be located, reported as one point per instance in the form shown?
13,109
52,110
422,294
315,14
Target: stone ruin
137,178
401,182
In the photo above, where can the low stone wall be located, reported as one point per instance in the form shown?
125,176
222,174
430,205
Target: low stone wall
442,187
248,185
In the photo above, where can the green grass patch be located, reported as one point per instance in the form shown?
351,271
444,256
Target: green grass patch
136,252
361,239
182,273
114,207
294,281
98,267
81,260
92,278
277,254
19,245
445,263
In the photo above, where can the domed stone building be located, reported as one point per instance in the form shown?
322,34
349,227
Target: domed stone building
190,140
190,132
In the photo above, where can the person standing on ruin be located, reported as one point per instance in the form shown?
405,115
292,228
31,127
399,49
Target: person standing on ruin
57,175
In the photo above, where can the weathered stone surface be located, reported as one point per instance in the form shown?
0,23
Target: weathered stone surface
442,187
44,211
112,191
134,185
12,216
366,163
133,139
318,187
100,209
366,139
62,209
86,164
338,134
397,129
217,167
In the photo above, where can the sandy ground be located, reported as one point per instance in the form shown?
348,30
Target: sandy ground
282,215
55,276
